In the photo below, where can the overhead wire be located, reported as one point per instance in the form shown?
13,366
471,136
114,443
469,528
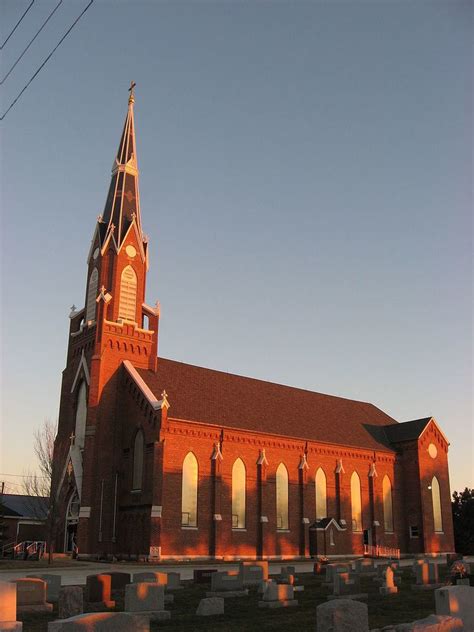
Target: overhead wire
17,24
32,40
46,60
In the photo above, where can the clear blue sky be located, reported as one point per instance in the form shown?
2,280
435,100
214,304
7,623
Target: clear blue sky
305,186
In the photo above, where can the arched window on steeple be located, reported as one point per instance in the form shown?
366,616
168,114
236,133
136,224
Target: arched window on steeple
436,498
138,452
189,491
238,495
81,415
128,294
356,503
321,494
387,504
282,497
92,295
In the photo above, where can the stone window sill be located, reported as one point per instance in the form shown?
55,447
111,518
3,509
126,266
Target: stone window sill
136,491
239,530
439,532
283,531
186,528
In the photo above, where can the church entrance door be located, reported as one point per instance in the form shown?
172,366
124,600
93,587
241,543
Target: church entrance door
72,520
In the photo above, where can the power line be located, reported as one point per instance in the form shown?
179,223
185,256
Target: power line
17,24
47,59
31,41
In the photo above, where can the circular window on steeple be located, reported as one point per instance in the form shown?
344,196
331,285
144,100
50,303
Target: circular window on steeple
432,451
130,250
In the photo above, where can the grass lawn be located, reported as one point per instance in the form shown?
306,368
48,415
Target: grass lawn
242,614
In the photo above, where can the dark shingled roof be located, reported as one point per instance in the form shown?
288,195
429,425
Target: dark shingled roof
406,431
24,506
232,401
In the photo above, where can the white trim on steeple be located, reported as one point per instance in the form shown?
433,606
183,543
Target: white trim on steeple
83,365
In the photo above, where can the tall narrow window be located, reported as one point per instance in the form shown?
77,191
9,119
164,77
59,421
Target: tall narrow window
282,497
387,504
92,295
238,495
138,449
189,491
436,497
356,503
321,494
128,294
81,415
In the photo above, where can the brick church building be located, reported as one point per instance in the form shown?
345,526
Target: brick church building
163,459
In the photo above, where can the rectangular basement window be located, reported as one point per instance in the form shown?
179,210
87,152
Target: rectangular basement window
414,531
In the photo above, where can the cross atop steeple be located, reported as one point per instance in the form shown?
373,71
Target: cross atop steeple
131,98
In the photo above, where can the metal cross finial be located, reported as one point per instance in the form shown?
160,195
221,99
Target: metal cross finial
72,437
131,98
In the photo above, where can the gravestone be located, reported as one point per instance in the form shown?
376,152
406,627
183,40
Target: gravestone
149,576
343,615
53,584
203,575
263,585
433,623
225,585
119,580
388,587
173,581
99,591
210,606
31,595
147,599
102,622
457,601
70,602
426,575
252,573
347,586
8,608
365,566
278,596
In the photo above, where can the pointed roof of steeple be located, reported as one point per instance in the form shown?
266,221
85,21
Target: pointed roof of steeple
122,207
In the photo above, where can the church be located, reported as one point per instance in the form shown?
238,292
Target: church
156,459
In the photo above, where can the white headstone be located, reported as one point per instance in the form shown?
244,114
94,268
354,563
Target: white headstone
210,606
342,615
457,601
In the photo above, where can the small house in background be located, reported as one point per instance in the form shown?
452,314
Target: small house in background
23,519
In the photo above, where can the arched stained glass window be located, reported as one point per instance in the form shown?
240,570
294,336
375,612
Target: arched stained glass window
321,494
436,497
128,294
238,495
81,415
282,497
138,451
189,491
356,503
387,504
92,295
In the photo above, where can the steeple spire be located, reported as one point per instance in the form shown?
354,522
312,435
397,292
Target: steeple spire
122,207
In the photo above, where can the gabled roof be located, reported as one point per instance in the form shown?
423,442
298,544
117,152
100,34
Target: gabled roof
407,431
24,506
232,401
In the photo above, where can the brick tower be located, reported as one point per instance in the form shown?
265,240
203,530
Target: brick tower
114,325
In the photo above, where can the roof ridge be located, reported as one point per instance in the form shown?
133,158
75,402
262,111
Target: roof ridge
256,379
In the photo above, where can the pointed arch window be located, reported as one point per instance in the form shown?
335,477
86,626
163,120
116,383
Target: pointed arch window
436,498
189,491
282,497
387,504
238,494
128,294
81,415
138,453
92,295
321,494
356,503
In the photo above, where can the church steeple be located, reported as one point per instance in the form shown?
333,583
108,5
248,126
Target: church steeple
122,207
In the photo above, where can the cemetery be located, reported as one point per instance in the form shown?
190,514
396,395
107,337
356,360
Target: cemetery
357,596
